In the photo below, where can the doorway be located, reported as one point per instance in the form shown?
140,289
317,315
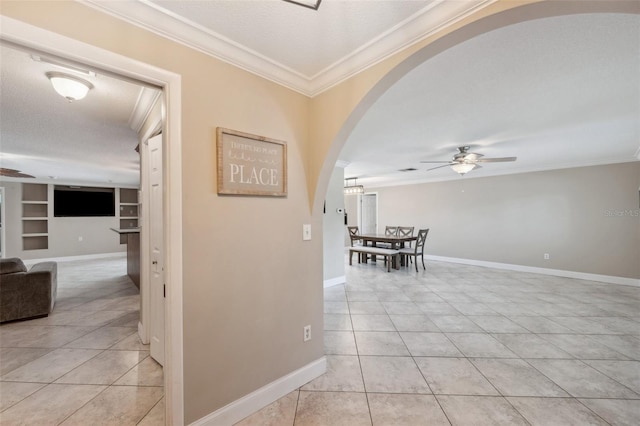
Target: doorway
368,216
38,39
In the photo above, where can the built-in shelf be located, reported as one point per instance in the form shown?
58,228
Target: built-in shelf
35,192
31,226
128,210
35,216
36,242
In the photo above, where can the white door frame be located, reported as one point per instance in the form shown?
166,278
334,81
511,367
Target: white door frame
37,38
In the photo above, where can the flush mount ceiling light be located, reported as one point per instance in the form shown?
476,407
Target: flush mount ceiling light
351,187
311,4
69,87
463,168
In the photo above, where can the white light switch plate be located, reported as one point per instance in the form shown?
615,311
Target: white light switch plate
306,231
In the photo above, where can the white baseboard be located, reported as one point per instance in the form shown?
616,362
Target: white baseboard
141,333
249,404
334,281
81,257
607,279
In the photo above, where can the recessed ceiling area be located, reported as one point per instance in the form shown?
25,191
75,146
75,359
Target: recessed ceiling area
89,141
304,49
556,92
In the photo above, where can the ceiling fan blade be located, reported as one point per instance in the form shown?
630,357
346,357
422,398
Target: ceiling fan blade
13,173
439,167
496,160
436,162
472,156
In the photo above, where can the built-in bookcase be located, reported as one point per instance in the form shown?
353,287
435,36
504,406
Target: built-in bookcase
35,216
128,210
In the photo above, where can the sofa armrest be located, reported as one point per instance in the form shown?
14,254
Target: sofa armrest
45,275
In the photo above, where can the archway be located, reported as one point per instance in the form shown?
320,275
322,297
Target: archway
366,88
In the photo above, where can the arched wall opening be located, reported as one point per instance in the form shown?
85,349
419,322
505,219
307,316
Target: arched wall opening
366,88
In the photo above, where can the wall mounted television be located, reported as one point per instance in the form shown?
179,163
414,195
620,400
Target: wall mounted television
83,201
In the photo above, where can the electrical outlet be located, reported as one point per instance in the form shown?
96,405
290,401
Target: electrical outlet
546,256
79,238
306,333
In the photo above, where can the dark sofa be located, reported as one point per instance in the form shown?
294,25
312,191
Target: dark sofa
25,294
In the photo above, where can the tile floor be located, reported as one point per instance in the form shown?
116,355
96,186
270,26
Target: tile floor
84,364
466,345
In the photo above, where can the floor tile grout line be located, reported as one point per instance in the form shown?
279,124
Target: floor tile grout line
121,294
364,386
150,409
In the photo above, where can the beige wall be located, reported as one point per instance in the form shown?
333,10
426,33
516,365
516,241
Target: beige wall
587,218
250,282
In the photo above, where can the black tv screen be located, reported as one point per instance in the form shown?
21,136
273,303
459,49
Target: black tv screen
83,201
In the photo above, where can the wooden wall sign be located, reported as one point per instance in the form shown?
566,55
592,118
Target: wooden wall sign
250,164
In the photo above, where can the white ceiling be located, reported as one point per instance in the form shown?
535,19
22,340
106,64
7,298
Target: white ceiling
556,92
89,141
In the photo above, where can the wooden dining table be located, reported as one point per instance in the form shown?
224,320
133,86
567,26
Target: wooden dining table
396,242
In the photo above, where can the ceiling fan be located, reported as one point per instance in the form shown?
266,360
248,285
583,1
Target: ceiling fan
465,161
13,173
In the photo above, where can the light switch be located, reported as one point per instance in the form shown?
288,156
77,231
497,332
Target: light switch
306,231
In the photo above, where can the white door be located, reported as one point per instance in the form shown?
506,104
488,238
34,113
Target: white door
156,250
369,213
2,247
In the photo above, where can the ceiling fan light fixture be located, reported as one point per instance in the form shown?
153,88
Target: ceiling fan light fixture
462,168
352,188
69,87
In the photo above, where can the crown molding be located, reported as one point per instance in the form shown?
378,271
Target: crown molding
166,24
145,102
424,23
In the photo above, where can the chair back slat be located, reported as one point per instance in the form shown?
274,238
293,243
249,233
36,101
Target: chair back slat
391,230
405,231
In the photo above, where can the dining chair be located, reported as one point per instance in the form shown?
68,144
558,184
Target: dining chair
389,231
354,232
418,250
406,231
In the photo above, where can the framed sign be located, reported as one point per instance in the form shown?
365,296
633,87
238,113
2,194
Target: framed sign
250,164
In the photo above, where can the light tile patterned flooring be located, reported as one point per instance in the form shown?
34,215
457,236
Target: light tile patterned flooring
83,364
467,345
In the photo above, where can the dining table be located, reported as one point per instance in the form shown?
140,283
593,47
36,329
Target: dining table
396,242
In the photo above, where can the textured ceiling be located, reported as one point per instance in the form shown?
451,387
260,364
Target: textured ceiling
555,92
41,134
